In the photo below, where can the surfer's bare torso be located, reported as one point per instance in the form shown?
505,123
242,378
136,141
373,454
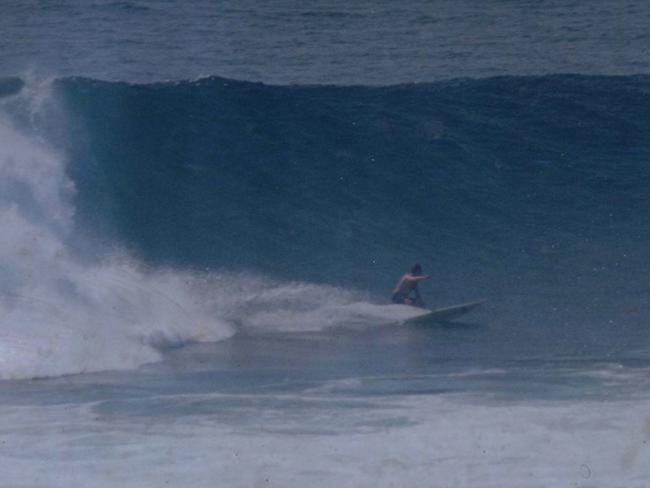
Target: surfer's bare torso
407,292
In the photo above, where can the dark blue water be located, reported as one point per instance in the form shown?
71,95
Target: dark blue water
346,184
331,41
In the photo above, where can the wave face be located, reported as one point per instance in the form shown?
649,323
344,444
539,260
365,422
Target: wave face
346,184
137,216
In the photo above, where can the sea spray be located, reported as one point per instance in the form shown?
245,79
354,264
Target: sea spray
61,315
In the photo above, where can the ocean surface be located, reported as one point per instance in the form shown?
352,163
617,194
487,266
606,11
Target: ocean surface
204,207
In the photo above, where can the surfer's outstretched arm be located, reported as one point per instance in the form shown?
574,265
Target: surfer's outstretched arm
419,278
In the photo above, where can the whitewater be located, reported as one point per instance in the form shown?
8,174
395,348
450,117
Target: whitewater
204,209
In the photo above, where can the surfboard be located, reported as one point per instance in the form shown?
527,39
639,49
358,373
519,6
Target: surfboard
444,314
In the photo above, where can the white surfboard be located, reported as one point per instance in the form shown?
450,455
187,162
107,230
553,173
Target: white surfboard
444,314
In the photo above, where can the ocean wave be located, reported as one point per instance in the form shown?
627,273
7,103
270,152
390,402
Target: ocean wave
139,216
341,184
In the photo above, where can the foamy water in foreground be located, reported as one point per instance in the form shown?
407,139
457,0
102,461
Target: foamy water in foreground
300,440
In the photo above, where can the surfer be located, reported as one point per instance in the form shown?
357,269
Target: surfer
406,291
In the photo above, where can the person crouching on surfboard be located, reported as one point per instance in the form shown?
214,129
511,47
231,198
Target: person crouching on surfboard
406,291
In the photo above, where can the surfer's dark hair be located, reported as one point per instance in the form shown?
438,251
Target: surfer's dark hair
416,269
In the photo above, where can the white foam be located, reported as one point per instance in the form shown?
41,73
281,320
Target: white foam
440,442
60,315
